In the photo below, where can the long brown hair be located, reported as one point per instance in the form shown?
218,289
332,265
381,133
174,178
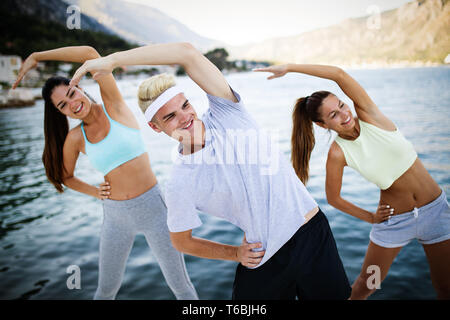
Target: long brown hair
56,127
306,111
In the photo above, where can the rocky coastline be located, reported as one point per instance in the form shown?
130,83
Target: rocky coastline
20,97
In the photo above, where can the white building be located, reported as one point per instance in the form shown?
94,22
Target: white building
447,59
9,68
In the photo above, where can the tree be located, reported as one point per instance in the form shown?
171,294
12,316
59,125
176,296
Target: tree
218,57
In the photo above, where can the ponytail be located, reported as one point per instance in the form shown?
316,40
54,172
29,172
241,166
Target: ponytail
302,140
306,111
56,128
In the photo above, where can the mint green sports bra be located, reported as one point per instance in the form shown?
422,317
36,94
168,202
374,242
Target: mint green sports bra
379,155
120,145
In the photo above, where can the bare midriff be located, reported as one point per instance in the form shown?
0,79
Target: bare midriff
131,179
414,189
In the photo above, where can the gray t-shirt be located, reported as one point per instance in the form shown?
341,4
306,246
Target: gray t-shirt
240,176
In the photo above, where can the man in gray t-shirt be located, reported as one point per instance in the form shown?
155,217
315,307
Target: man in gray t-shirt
228,167
233,170
239,175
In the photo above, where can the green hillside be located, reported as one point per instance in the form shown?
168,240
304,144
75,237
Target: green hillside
26,34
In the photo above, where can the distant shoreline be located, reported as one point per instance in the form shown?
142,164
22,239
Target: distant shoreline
399,65
377,65
20,97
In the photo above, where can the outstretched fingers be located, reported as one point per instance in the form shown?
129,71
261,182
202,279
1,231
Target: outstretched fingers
78,75
266,69
19,77
16,83
277,71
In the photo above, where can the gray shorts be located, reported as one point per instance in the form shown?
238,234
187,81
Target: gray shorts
428,224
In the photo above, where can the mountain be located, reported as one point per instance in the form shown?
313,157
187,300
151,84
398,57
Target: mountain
36,25
418,31
50,10
142,24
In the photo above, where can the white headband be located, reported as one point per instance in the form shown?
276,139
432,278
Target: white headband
160,101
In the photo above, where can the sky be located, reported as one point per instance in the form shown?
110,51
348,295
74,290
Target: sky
239,22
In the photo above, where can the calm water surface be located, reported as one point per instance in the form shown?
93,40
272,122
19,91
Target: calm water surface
42,232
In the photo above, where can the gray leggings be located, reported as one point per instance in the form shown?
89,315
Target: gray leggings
122,220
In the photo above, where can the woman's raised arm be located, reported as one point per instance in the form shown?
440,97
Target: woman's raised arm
108,88
364,106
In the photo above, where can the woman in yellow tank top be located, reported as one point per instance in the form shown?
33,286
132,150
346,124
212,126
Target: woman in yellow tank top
411,204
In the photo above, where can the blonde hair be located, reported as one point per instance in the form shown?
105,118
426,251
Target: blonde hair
152,88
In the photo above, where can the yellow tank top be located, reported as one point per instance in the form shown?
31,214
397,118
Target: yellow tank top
379,155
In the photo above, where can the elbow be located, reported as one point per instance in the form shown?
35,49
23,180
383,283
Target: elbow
334,200
189,53
340,74
91,53
178,246
66,180
178,243
186,46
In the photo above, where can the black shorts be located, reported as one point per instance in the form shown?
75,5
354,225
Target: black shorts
307,266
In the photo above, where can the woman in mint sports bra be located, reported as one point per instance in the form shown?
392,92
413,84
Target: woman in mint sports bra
411,206
109,135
